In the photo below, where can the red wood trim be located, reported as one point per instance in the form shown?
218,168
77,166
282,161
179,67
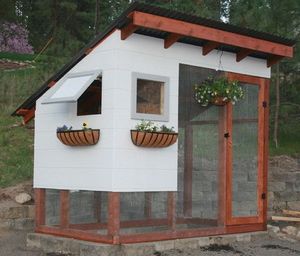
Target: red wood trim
76,234
159,236
113,226
188,172
28,116
211,34
128,31
22,111
273,60
245,228
242,54
261,145
171,39
222,168
88,51
149,237
39,194
228,157
52,83
209,46
88,226
64,208
261,179
266,151
171,211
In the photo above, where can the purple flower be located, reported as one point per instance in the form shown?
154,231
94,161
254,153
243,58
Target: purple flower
14,38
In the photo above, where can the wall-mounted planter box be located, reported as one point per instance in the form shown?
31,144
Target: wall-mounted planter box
153,139
79,137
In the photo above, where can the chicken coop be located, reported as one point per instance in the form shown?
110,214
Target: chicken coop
131,143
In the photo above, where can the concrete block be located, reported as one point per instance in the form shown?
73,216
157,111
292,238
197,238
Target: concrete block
31,211
14,212
290,230
164,245
243,237
95,249
273,230
33,241
221,240
140,249
294,205
297,186
204,241
244,196
56,245
248,186
6,224
261,235
277,186
285,196
191,243
24,224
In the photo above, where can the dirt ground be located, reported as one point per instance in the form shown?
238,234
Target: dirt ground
13,243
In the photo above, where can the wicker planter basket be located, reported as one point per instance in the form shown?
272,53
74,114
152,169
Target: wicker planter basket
153,139
219,101
79,137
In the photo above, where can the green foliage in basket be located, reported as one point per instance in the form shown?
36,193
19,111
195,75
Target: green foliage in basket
210,89
149,126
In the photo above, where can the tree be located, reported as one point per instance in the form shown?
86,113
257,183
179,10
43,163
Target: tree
281,18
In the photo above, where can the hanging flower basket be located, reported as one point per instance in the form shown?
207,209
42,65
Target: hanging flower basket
219,101
85,137
218,91
153,139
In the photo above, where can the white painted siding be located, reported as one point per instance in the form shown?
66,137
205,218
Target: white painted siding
115,164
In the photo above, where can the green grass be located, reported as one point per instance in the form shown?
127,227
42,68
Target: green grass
289,140
17,56
16,146
16,142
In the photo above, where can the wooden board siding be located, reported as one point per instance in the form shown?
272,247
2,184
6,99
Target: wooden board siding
111,165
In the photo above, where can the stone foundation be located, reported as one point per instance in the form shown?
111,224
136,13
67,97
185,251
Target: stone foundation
52,244
284,184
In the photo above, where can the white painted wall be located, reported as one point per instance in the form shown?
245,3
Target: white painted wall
115,164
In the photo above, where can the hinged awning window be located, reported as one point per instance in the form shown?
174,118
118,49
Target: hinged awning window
71,87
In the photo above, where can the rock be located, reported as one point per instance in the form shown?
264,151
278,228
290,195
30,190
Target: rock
22,198
290,230
273,229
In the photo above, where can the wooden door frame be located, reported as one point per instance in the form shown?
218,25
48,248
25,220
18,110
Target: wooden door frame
262,153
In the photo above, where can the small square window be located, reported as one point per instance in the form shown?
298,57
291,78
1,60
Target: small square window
150,97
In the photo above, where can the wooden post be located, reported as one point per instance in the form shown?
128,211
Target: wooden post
64,208
222,168
39,207
171,211
188,172
113,228
266,151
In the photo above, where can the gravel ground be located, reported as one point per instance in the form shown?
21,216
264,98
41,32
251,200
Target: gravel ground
267,247
13,243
